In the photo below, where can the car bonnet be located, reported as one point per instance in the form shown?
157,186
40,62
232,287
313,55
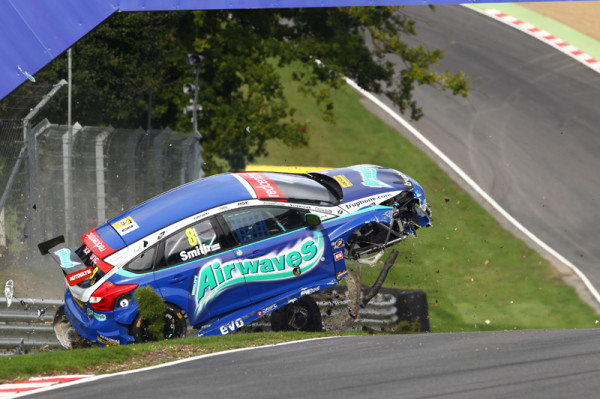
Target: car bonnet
362,181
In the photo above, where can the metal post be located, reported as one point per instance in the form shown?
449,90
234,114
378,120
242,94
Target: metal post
67,155
100,180
68,178
195,109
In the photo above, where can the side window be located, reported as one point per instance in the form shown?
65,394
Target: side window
253,224
143,262
195,241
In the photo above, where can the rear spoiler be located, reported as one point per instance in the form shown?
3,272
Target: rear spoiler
72,266
46,246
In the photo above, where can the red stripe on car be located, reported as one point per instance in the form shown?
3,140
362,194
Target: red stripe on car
96,244
263,186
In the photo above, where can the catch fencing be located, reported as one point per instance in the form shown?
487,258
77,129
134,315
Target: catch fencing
66,180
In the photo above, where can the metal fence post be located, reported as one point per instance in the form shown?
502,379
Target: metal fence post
67,152
100,170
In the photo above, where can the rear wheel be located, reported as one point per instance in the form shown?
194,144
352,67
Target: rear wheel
301,315
175,326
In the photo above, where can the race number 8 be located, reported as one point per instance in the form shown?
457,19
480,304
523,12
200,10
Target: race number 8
191,235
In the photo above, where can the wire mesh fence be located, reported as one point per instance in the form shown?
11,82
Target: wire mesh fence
57,180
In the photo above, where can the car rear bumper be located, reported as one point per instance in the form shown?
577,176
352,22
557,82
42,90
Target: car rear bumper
94,325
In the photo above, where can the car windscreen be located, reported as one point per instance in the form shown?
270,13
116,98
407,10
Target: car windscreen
303,188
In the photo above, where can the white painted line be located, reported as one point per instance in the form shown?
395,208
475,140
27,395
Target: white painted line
476,187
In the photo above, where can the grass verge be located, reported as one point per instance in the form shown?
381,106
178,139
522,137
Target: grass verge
121,358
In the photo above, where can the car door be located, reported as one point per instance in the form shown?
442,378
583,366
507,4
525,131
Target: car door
277,252
197,272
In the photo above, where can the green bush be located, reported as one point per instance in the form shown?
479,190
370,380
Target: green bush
152,310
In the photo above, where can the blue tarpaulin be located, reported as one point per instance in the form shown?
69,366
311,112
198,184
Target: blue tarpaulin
34,32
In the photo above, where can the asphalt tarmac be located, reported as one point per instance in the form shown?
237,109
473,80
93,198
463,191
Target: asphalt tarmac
511,364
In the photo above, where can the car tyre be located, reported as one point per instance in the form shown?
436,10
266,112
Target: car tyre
301,315
175,325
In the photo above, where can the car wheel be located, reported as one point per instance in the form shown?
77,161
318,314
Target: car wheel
301,315
175,325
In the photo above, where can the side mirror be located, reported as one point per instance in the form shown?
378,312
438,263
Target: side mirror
312,219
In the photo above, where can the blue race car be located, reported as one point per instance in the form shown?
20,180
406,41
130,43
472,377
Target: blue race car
227,249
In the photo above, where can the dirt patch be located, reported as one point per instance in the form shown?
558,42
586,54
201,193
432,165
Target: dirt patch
582,16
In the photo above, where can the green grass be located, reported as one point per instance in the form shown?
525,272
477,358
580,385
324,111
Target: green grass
477,275
120,358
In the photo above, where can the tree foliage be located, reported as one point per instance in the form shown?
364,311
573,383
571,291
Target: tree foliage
135,62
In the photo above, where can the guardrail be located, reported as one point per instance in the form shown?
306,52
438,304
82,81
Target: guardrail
26,325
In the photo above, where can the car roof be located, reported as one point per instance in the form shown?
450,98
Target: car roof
177,204
192,198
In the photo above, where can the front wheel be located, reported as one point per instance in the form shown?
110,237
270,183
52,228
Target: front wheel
301,315
175,326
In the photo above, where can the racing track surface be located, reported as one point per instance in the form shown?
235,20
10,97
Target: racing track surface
515,364
527,133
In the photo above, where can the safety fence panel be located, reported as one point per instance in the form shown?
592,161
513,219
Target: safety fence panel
76,179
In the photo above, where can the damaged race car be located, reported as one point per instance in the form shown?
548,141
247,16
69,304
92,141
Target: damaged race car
228,249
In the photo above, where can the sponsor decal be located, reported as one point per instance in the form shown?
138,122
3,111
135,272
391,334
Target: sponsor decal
368,201
214,277
195,286
108,341
125,226
93,241
405,178
339,243
97,316
231,326
198,250
268,309
343,180
308,291
369,176
80,275
64,256
338,256
263,186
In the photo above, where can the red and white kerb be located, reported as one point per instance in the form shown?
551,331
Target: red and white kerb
263,187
